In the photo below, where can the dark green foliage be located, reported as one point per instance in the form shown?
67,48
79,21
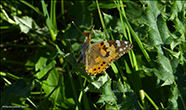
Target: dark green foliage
40,47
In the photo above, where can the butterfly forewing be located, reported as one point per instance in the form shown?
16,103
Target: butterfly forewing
118,49
105,52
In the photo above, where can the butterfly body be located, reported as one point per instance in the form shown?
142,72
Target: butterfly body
98,56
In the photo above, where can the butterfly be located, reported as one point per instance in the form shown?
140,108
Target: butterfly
98,56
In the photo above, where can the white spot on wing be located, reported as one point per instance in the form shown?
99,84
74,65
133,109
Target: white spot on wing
118,43
106,43
124,48
126,42
120,49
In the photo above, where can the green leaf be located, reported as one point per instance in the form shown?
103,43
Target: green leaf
59,51
133,11
26,23
106,5
15,91
172,53
100,81
107,95
165,70
163,28
174,44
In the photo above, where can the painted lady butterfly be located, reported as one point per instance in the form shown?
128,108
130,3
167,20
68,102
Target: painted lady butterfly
98,56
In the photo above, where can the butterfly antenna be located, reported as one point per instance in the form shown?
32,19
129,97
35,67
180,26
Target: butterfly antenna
77,27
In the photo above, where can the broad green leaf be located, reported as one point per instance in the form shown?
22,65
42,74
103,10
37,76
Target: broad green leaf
25,23
152,12
15,91
107,95
165,70
133,11
163,29
125,96
101,81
